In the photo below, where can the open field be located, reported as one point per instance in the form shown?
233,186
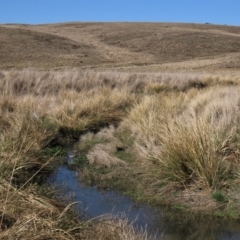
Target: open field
153,109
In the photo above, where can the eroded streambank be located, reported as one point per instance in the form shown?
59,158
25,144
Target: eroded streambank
161,222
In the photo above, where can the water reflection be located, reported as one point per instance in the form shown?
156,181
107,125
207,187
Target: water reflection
93,203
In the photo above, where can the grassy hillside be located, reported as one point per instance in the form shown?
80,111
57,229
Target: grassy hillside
28,48
123,46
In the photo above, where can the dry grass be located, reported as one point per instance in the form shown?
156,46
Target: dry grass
30,121
138,47
91,111
118,227
178,129
171,132
193,137
184,132
101,147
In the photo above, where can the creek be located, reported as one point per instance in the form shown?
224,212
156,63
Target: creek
93,203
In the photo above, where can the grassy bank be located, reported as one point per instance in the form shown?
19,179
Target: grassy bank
162,138
39,111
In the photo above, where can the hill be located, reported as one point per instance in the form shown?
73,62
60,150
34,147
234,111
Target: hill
121,46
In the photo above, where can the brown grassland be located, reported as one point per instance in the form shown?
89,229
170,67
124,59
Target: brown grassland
153,109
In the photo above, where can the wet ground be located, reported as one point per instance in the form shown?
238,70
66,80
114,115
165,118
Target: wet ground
94,203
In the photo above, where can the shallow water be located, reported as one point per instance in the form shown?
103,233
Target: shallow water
94,203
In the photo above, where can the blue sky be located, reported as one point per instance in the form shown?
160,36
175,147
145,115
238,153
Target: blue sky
53,11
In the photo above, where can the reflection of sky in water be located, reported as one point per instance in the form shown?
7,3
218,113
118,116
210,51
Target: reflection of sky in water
229,236
94,203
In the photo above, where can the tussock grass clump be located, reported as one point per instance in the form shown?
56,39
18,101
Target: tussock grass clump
148,119
21,144
191,139
91,111
189,155
100,148
102,155
25,215
118,227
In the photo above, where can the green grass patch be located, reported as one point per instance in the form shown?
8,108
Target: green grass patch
231,212
54,152
79,162
125,156
179,207
219,197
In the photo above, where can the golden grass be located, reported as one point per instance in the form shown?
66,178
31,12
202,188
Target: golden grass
30,120
193,137
180,129
118,227
91,111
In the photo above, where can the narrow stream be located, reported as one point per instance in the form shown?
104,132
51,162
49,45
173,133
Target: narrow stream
94,203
